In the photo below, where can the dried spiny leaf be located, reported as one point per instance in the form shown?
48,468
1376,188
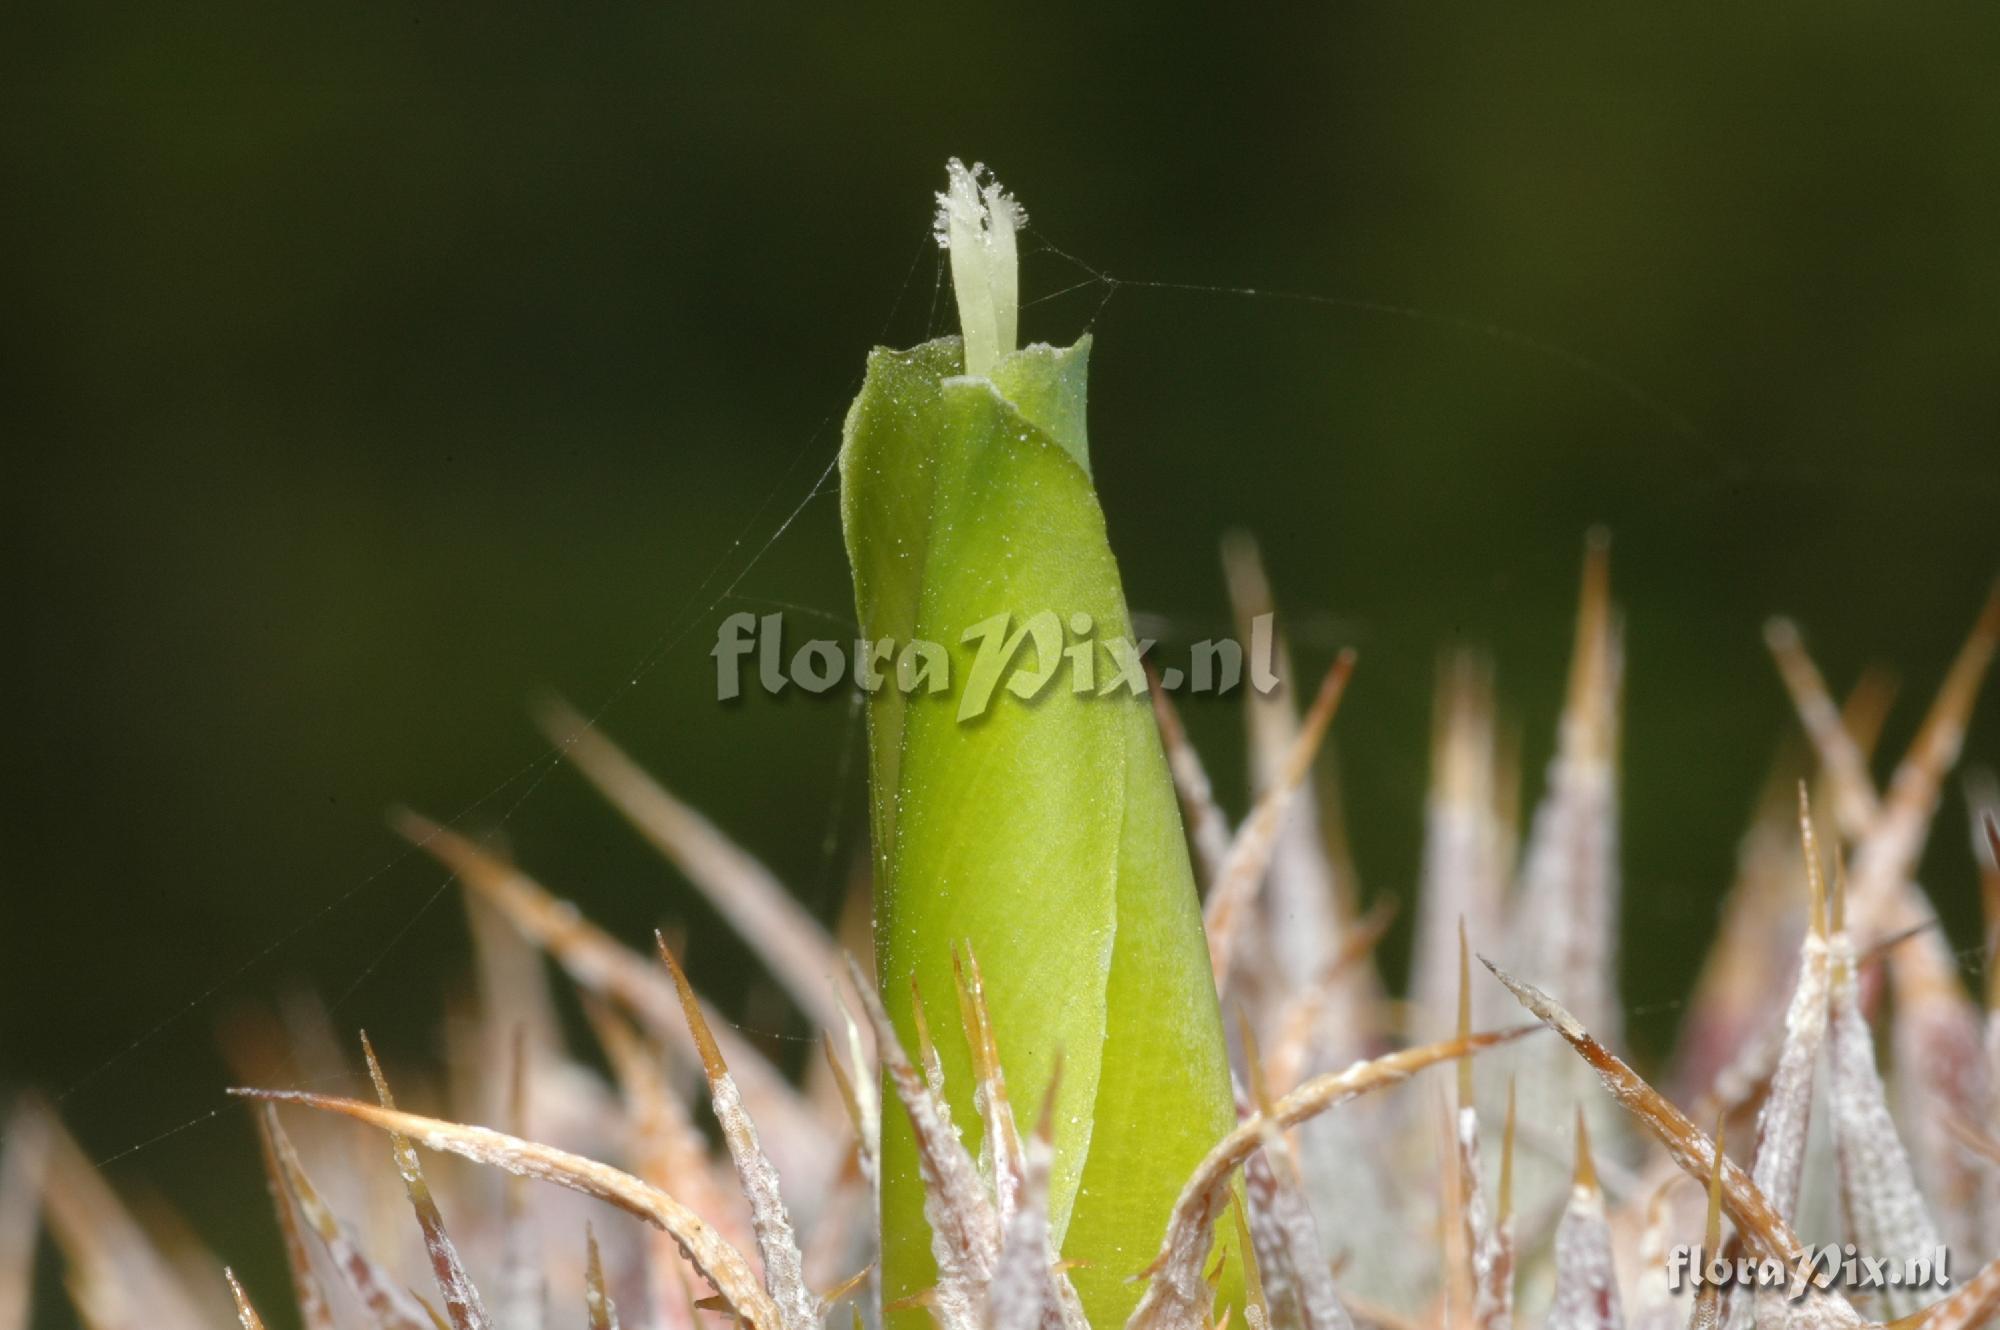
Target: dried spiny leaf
116,1271
1786,1116
1586,1295
1492,1300
461,1299
1454,1260
1841,754
1982,798
387,1302
1000,1142
1566,913
1175,1298
1309,899
1973,1304
1653,1305
1293,1284
314,1312
797,1137
720,1264
1885,858
22,1158
1464,868
1732,1027
1299,1020
927,1054
777,1244
1298,1284
1694,1152
845,1083
1886,1215
523,1287
860,1094
1708,1299
245,1313
1938,1045
842,1242
602,1310
790,942
437,1319
1250,852
1027,1291
1502,1278
965,1232
670,1154
517,1006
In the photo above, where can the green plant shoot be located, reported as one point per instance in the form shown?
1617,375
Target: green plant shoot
1028,815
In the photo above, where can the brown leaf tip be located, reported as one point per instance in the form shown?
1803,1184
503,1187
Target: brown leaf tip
1586,1167
704,1038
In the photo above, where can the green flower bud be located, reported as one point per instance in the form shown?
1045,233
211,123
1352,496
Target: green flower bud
1027,812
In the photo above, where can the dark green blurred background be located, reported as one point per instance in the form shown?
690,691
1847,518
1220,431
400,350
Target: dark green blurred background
366,372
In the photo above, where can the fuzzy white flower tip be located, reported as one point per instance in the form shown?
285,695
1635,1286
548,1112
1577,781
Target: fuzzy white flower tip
976,222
